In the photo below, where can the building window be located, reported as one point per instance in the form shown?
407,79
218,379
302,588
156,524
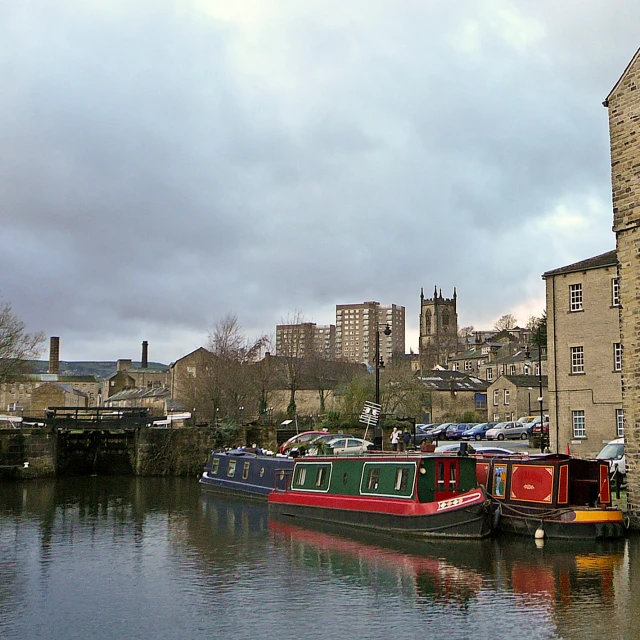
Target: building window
506,396
579,426
527,370
575,297
481,401
496,397
512,370
468,365
489,374
496,417
617,356
577,359
454,366
615,292
619,423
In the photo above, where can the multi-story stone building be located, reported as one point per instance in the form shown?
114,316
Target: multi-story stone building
356,327
438,329
129,377
304,339
623,104
21,392
452,395
585,355
513,396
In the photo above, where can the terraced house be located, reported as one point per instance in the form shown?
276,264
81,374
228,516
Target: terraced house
585,354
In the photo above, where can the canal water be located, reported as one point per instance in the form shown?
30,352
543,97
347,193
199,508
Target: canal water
110,558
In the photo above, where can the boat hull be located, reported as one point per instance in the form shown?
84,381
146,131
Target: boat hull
466,516
573,524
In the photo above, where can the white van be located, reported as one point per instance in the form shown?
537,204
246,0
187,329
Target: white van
614,453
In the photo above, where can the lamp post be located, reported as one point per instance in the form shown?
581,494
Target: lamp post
543,436
377,432
529,412
240,410
269,412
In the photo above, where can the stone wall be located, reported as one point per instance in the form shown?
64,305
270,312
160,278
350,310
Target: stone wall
37,447
144,452
624,116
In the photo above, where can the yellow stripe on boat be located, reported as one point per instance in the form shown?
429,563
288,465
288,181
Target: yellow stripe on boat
598,516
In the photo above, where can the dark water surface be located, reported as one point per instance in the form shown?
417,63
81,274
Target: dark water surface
98,558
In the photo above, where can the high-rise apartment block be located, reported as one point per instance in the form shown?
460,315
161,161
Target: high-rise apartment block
356,326
305,339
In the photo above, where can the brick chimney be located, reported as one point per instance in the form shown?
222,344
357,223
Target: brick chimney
145,355
54,355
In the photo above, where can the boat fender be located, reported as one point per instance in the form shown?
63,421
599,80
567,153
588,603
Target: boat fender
539,534
496,516
627,522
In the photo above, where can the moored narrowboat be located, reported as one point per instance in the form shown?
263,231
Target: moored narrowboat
553,496
411,494
245,473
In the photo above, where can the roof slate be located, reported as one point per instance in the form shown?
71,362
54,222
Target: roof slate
609,259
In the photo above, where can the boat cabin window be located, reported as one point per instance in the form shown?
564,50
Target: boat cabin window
453,485
321,474
231,471
440,474
215,463
373,479
402,479
245,470
301,474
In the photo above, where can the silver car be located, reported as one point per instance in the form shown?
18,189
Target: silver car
348,446
508,431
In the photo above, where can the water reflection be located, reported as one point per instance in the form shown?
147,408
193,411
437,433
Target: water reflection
404,567
111,557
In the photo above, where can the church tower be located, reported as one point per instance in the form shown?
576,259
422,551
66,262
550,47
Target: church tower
438,329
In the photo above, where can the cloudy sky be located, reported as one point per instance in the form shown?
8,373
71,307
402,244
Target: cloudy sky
164,163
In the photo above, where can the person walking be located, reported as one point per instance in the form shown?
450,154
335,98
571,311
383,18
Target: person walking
395,437
406,439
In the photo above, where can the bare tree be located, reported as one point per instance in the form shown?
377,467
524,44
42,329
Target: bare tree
16,345
228,380
293,348
505,322
465,333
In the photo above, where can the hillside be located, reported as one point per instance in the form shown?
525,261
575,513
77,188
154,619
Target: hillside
100,369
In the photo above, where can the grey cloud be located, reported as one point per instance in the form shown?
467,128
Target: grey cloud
150,183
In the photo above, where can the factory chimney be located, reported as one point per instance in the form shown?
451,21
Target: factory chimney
145,355
54,355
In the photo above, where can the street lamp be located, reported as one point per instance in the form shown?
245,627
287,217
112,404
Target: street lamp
269,412
377,432
543,437
379,360
529,412
240,409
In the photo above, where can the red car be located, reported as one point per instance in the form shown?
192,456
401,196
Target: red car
299,440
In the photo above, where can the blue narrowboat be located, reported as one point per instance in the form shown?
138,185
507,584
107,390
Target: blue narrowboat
245,472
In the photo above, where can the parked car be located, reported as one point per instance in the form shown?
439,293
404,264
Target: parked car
455,431
536,422
422,432
614,453
510,430
474,450
439,431
478,431
318,446
348,446
526,419
536,429
299,441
